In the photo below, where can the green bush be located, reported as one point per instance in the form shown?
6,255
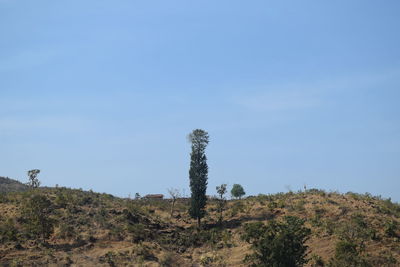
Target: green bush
138,232
277,243
116,232
348,254
390,208
317,261
8,231
143,252
35,213
391,228
194,238
236,208
66,231
356,229
3,198
101,217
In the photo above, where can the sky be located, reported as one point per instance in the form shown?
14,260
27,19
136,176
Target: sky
102,94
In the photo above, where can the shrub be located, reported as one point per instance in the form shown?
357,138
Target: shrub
143,252
116,232
348,254
168,260
209,259
67,232
277,243
391,228
195,238
388,207
272,205
297,206
36,217
3,198
138,232
101,217
356,229
317,261
236,208
8,231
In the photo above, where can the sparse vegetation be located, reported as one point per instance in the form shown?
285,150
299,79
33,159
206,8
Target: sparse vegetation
87,228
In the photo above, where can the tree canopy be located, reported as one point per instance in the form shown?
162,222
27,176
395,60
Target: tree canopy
198,173
237,191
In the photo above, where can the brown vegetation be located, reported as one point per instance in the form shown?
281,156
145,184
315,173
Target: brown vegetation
92,229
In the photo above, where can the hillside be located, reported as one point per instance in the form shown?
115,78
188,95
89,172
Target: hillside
11,185
93,229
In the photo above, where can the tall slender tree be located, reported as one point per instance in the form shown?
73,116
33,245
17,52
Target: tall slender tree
198,174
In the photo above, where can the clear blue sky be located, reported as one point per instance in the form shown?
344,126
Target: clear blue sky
102,94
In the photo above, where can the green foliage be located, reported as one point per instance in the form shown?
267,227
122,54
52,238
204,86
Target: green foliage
348,254
272,205
315,191
237,191
8,230
349,249
116,232
391,228
143,252
277,244
10,185
138,232
317,261
221,201
236,208
385,258
3,198
390,208
33,180
67,231
110,258
64,198
36,216
317,220
297,206
194,237
101,217
211,259
198,174
355,229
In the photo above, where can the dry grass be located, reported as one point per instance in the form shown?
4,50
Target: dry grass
109,231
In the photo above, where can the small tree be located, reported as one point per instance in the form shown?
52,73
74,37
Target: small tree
237,191
35,213
348,253
175,194
198,174
33,180
277,243
221,190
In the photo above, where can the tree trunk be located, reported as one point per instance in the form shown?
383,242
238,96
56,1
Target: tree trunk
172,208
